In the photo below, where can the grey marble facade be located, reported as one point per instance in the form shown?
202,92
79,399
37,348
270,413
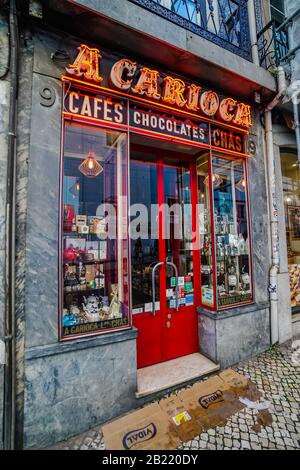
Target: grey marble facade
4,104
259,215
234,335
41,303
23,152
69,392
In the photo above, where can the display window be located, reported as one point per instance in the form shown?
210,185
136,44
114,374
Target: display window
94,243
206,237
226,275
232,240
291,199
184,239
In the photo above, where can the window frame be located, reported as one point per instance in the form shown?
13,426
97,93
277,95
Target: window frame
104,127
215,307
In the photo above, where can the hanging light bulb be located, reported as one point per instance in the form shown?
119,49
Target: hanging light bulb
90,163
241,185
90,167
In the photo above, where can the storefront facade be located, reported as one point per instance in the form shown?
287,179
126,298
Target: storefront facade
116,304
143,217
174,171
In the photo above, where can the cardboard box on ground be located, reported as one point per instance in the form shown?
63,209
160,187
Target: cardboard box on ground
179,418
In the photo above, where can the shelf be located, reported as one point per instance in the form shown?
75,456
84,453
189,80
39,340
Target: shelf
220,258
75,263
79,291
80,235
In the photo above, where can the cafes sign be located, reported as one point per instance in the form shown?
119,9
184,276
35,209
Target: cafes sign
140,119
130,79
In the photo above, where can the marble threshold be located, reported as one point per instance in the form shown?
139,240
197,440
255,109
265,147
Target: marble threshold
152,379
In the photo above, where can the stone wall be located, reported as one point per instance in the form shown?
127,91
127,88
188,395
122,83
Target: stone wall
234,335
4,105
74,386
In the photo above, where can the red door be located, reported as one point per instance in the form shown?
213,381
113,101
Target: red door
164,261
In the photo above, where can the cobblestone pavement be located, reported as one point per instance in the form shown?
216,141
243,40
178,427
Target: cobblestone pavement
277,375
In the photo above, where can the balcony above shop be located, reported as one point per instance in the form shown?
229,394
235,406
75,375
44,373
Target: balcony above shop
273,45
208,45
223,22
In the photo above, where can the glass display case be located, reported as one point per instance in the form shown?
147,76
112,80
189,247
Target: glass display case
206,232
226,277
291,199
232,246
94,277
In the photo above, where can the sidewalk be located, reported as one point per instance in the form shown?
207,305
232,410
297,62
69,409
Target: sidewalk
276,373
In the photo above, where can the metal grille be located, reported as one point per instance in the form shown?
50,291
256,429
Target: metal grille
224,22
272,45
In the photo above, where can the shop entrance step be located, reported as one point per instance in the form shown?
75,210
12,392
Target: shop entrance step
164,375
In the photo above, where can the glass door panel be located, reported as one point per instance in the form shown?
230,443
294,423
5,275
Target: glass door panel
143,234
178,235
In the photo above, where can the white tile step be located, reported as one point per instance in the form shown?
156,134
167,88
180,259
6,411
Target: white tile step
167,374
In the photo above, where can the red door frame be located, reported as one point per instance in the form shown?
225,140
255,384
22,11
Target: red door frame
171,349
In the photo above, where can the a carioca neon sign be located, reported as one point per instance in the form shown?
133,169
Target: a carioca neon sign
127,77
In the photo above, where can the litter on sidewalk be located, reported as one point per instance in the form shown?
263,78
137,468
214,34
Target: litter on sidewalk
264,405
177,419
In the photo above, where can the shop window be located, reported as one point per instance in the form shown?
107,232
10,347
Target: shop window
94,250
225,247
231,231
205,235
291,198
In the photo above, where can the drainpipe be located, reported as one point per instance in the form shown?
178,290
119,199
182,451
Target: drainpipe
273,285
273,209
9,323
282,89
253,32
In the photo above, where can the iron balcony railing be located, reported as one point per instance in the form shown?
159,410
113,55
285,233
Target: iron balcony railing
272,43
224,22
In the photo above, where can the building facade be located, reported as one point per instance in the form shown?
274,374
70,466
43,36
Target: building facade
137,203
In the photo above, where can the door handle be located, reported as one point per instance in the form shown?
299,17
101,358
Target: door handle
176,283
153,285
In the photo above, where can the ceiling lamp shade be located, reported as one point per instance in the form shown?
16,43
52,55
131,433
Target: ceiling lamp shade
241,185
90,167
216,180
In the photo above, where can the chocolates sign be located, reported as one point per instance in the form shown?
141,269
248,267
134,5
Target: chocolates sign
147,84
140,119
167,125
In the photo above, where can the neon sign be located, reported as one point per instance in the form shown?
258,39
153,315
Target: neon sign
126,76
